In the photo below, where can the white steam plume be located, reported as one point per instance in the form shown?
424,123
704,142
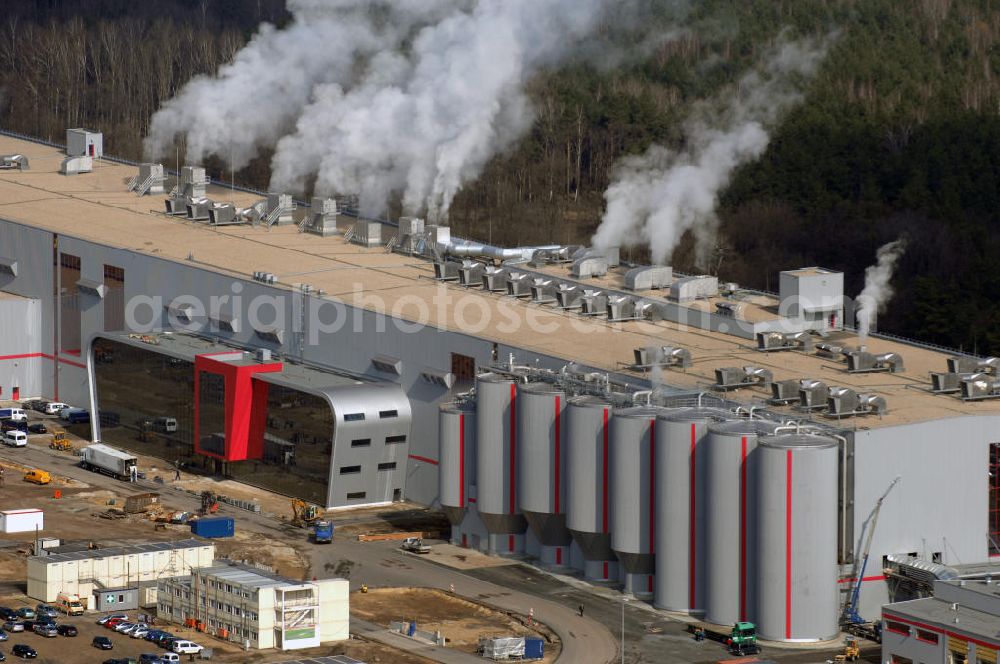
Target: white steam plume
425,122
656,197
877,290
254,100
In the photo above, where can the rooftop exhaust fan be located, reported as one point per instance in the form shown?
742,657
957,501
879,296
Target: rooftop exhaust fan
845,402
649,277
812,394
495,278
519,284
470,274
784,392
979,387
860,361
593,303
446,271
649,357
543,291
731,378
14,161
590,265
569,297
778,341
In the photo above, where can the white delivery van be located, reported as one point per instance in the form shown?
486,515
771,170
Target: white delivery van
13,414
54,407
166,424
186,647
15,438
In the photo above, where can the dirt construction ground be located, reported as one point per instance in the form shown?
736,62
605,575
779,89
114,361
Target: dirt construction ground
462,622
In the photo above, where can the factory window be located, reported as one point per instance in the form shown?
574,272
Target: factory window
391,465
361,442
385,414
463,367
389,440
350,470
354,417
357,495
994,507
926,636
114,298
897,627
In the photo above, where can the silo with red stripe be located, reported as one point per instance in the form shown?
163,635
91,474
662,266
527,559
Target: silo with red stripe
541,486
497,449
796,538
457,454
588,495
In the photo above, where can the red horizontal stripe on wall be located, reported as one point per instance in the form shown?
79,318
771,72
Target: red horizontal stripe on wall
423,459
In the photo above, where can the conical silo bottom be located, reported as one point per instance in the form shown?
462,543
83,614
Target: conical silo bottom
637,574
600,562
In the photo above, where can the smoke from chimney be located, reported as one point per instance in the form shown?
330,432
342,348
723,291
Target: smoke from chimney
656,197
877,291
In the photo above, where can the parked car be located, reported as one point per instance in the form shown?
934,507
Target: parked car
14,626
134,628
114,622
154,634
26,612
8,613
54,407
170,658
11,425
186,647
123,626
102,642
4,635
46,610
15,438
45,629
140,633
66,630
36,476
165,640
37,427
16,414
103,620
150,658
24,651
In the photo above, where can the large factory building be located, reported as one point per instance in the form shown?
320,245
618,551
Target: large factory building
714,450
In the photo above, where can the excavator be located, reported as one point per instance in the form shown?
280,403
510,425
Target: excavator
303,514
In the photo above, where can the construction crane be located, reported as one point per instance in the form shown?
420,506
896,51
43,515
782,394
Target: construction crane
303,514
851,615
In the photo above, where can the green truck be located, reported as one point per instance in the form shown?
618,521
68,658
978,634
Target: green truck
743,639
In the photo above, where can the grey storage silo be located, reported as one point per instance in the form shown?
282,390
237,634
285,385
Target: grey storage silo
457,454
796,539
588,496
633,496
730,518
680,435
496,463
542,468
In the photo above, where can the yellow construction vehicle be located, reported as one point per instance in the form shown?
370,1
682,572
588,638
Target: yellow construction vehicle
303,514
852,651
60,441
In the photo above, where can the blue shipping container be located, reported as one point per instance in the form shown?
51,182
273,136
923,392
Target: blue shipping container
534,648
219,526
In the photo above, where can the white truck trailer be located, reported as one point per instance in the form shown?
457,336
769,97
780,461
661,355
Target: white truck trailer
105,459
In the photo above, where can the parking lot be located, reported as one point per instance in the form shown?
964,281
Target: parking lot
78,649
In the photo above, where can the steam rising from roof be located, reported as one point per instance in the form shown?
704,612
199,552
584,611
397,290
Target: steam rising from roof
877,291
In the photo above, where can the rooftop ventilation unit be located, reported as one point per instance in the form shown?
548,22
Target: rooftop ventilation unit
76,165
965,364
979,387
367,233
729,309
694,288
589,265
845,402
649,277
495,279
832,351
731,378
864,362
569,297
949,382
197,209
621,308
279,210
543,291
149,180
224,214
91,287
14,161
225,322
193,182
470,274
519,284
411,234
545,256
778,341
784,392
812,394
388,364
265,278
593,303
446,270
661,356
322,219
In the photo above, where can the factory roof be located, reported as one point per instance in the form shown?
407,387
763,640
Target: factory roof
135,549
98,207
935,612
